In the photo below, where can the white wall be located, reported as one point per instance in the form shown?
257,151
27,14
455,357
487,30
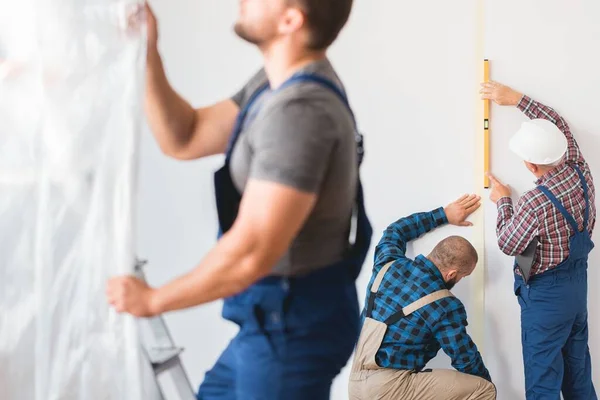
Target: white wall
411,70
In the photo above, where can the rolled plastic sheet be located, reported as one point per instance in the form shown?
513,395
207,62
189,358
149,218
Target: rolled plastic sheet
71,90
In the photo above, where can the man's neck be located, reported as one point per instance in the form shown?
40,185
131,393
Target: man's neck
546,172
436,263
282,61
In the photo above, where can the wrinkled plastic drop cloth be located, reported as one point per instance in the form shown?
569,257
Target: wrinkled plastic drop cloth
71,90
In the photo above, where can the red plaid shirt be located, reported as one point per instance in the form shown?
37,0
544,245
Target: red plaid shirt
535,215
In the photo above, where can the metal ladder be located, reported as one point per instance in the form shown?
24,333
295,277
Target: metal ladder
162,352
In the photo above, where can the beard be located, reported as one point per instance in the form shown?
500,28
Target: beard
250,35
243,33
450,284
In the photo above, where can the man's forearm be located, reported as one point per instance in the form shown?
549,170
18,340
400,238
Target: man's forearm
171,118
515,230
228,269
397,235
452,335
505,212
476,368
416,225
534,109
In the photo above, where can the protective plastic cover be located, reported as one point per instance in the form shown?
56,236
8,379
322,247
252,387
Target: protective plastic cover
71,82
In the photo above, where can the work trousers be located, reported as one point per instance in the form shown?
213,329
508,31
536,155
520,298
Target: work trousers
436,384
554,334
293,341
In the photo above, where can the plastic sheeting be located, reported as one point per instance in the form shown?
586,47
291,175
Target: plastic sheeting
71,82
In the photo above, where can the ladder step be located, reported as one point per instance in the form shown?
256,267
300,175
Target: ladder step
161,351
163,359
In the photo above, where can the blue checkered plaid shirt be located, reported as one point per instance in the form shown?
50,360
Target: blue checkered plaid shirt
410,343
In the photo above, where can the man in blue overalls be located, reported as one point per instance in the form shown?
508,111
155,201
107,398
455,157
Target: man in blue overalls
549,232
286,259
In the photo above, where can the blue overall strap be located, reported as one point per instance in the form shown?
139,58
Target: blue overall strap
364,231
300,77
342,96
560,207
321,81
586,214
241,117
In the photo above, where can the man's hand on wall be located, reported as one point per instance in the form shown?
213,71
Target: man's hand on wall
458,211
500,94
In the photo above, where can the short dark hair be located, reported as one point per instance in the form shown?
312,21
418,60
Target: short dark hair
455,252
325,20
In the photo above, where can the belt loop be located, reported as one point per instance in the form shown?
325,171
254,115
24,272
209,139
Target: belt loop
285,284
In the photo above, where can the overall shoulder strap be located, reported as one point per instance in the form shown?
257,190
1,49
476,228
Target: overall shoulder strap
409,309
327,83
418,304
301,77
321,80
375,287
239,123
560,207
586,214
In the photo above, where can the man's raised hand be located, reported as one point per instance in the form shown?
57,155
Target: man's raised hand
458,211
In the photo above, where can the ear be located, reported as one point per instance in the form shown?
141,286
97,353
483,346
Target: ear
452,274
531,167
291,20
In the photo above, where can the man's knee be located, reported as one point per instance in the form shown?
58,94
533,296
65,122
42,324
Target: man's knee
477,388
486,391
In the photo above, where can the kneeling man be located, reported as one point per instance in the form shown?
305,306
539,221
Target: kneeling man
410,314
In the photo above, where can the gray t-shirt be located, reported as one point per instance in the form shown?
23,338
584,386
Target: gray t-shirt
302,136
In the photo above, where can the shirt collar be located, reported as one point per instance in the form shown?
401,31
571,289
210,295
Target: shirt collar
425,262
551,173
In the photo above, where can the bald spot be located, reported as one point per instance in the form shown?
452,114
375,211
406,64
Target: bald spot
455,252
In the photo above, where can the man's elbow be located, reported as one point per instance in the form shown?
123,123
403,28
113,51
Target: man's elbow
177,137
247,252
507,249
504,243
252,268
176,149
173,152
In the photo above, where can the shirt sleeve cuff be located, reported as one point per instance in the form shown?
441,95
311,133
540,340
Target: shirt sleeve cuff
439,216
524,102
504,202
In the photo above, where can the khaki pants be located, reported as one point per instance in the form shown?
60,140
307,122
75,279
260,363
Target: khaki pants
437,384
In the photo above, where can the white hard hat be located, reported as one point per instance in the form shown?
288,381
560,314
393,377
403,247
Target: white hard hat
539,142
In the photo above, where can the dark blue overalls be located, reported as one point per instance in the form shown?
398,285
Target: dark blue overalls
554,327
296,333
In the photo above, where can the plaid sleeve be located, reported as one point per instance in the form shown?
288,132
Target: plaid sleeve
395,238
515,230
534,109
451,333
